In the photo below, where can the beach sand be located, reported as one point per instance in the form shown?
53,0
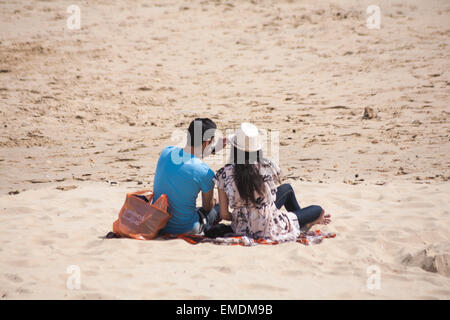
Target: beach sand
399,231
85,113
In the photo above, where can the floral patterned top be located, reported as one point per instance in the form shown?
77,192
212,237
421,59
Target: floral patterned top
261,220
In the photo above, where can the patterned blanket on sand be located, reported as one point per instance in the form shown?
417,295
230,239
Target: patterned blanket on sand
306,238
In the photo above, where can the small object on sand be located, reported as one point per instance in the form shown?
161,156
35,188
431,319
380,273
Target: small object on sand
336,107
145,89
66,188
369,113
39,180
13,192
111,235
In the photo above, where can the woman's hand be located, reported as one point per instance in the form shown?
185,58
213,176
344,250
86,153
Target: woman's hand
215,200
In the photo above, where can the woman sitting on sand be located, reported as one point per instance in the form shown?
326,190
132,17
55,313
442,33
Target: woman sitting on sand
247,185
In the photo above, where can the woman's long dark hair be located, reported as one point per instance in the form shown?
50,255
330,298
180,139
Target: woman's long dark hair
246,174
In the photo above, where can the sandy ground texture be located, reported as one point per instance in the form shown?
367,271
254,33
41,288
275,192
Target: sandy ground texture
47,235
84,114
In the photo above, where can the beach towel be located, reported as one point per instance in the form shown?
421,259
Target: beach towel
305,238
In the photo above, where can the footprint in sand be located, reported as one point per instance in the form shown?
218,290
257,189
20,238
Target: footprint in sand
45,242
445,293
94,243
85,202
90,273
13,278
226,270
61,235
21,263
197,276
221,269
23,291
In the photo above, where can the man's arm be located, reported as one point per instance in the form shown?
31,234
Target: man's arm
208,201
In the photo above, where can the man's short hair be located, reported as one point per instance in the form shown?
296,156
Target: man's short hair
199,131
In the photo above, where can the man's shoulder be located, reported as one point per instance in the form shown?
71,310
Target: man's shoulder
200,165
196,165
166,151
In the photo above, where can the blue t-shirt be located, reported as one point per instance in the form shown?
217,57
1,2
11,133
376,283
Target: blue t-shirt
181,176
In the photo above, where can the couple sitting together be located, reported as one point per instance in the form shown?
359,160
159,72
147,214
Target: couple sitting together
247,185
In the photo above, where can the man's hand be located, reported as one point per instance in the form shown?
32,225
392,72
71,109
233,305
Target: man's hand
221,143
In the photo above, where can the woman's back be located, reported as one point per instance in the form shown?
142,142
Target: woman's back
261,219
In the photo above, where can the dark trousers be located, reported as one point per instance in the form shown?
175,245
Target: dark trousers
208,219
286,198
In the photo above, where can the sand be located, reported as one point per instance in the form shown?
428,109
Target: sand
46,231
84,114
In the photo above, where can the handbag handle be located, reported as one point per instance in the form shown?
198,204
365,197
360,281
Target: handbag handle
162,202
142,192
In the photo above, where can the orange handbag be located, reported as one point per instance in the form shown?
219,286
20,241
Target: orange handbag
139,218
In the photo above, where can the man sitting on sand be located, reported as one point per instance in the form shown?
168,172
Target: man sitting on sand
181,175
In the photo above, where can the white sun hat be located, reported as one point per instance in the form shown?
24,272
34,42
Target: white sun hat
246,138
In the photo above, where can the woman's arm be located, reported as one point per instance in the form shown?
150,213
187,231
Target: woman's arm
277,175
223,202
